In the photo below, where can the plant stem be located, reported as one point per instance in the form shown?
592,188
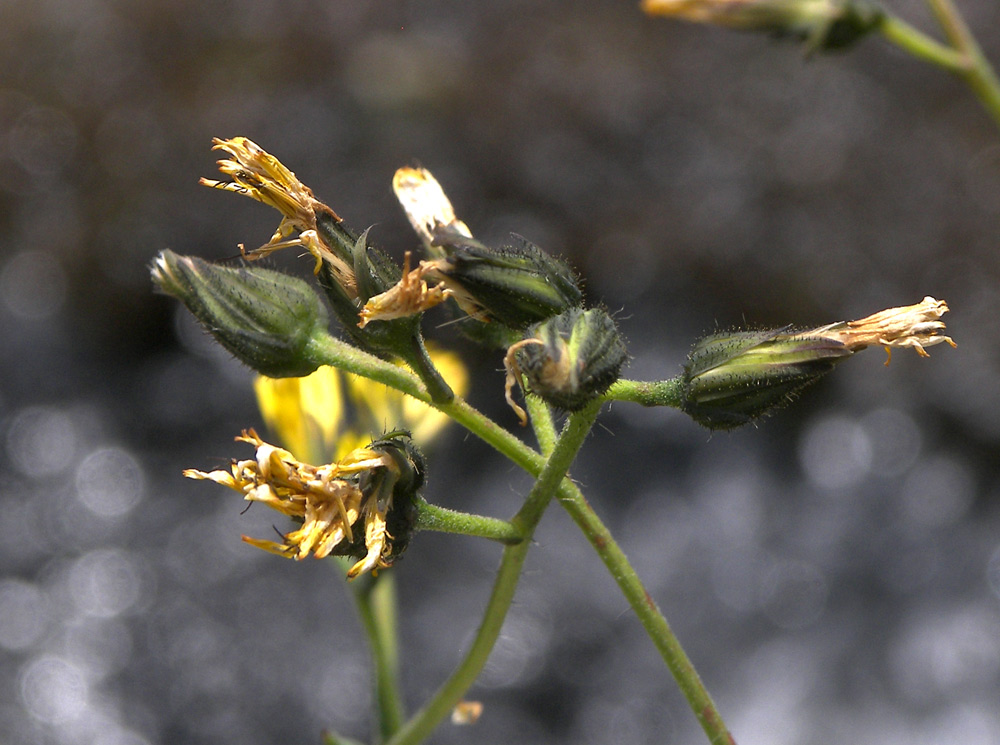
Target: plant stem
655,393
443,520
662,393
979,74
376,599
552,475
541,422
922,46
649,614
420,362
327,350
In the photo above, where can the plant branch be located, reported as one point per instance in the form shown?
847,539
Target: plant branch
654,393
552,475
376,600
980,75
920,45
649,614
443,520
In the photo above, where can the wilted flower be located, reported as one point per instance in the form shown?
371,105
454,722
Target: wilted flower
516,285
913,326
361,505
259,175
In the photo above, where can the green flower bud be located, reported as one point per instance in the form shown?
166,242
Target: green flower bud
515,285
735,377
822,24
266,319
569,359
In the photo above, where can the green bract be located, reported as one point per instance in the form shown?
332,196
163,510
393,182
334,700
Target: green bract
266,319
735,377
515,285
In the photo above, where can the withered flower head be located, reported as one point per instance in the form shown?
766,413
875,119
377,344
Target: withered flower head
914,326
257,174
735,377
357,506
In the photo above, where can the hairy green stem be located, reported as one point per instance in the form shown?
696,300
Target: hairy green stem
441,704
443,520
648,612
541,422
376,600
655,393
661,393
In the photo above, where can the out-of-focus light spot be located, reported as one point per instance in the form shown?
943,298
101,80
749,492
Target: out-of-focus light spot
993,572
895,440
794,594
392,71
110,482
105,583
41,441
942,654
42,140
776,680
117,736
33,285
101,646
53,690
23,614
520,652
938,492
736,578
835,452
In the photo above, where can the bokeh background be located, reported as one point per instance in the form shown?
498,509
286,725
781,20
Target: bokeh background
834,572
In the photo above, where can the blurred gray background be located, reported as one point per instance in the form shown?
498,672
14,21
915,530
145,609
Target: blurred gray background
834,572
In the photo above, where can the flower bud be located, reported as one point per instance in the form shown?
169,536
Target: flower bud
266,319
569,359
735,377
515,285
822,24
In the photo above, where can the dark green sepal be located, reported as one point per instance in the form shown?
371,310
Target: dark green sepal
395,489
516,285
266,319
581,355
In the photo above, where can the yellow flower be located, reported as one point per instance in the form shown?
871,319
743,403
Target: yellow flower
257,174
332,501
330,412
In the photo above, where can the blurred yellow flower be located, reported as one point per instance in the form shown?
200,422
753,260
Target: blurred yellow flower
329,413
